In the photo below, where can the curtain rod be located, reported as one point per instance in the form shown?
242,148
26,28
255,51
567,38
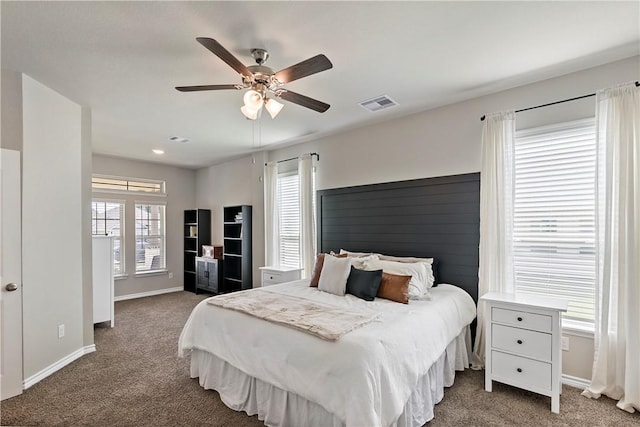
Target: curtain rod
554,103
296,158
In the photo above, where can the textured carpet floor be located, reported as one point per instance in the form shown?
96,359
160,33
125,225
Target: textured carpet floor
136,379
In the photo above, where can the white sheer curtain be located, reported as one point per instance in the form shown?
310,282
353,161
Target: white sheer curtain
616,367
496,216
271,215
307,217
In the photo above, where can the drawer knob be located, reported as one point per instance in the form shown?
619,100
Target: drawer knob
519,341
519,319
519,369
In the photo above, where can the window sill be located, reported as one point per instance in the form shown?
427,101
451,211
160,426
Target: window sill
121,276
577,329
151,273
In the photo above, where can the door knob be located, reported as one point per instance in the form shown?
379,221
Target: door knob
11,287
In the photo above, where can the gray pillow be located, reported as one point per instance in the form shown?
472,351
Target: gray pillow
364,283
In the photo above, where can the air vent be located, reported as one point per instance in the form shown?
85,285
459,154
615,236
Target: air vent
179,139
378,103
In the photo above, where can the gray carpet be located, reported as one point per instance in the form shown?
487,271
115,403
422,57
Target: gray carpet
135,378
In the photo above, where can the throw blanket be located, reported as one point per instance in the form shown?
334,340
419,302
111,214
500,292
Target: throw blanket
322,320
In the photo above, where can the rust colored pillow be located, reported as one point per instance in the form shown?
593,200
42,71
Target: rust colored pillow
317,269
395,288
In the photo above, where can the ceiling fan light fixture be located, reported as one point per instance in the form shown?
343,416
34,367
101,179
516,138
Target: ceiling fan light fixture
253,99
262,81
249,113
273,107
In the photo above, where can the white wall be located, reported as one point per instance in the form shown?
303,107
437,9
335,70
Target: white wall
11,111
53,261
237,182
87,243
446,140
442,141
181,190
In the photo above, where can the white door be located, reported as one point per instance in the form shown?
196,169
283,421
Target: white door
10,275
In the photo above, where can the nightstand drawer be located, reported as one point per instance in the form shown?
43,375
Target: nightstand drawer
536,345
270,276
522,319
520,371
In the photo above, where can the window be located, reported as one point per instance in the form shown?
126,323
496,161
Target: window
107,219
554,216
150,237
290,218
289,214
116,184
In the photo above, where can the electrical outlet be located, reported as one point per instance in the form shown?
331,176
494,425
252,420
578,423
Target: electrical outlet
170,275
60,331
565,343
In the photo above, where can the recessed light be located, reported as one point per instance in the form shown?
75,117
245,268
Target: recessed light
179,139
158,151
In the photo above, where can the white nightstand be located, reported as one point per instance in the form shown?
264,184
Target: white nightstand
272,275
523,345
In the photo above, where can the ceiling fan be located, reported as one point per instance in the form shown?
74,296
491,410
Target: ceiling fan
263,83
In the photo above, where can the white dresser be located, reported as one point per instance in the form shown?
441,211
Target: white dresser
523,343
272,275
103,305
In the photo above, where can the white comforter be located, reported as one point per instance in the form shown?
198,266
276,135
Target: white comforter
366,377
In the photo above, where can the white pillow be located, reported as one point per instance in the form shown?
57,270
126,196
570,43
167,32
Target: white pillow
361,261
404,259
355,254
421,278
334,275
431,278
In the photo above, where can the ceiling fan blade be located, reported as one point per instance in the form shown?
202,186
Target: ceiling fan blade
305,101
207,87
225,55
303,69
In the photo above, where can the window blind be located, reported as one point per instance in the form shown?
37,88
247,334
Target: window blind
554,215
289,205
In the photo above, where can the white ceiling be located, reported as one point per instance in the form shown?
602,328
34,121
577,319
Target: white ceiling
123,60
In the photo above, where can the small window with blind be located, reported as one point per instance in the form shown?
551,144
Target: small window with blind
554,216
289,215
150,237
114,184
107,219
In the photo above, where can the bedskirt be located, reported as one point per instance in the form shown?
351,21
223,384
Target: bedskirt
278,407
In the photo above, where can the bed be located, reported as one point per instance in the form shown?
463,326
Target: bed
392,370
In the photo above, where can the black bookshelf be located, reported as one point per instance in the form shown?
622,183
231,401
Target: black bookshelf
237,272
197,232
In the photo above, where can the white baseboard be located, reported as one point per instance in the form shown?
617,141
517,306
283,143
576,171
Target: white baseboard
34,379
147,294
575,381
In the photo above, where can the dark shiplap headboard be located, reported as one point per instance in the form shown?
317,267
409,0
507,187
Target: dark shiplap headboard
431,217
